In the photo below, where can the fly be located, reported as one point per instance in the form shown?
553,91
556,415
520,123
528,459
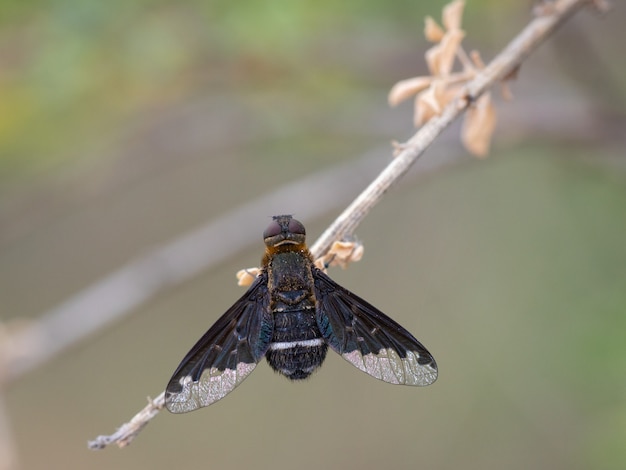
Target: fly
291,314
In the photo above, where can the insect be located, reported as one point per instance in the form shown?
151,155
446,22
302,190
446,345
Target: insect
291,314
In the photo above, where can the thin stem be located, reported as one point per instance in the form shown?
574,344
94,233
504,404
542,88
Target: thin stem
513,54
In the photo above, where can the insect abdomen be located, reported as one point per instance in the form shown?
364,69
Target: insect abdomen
297,347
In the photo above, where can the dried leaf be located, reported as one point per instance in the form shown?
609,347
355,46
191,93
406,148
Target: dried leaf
450,93
407,88
320,263
477,60
460,77
245,277
425,108
505,89
429,103
449,46
341,253
453,15
357,253
433,58
478,126
432,31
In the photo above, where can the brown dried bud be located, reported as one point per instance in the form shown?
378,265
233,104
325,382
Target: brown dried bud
429,103
432,31
478,126
341,254
406,88
453,14
245,277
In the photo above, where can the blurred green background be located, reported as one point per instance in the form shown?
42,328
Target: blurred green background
124,125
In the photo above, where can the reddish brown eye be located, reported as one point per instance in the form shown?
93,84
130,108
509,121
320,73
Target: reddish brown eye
296,227
272,230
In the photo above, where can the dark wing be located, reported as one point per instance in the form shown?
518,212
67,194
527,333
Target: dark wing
369,339
226,354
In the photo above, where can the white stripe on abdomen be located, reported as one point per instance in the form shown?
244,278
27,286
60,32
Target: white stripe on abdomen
292,344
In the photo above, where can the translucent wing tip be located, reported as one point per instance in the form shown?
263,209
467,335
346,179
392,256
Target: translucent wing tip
213,385
388,366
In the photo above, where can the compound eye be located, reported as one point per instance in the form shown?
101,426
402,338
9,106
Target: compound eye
272,230
296,227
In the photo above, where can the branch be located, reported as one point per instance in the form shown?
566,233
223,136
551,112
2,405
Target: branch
537,31
128,431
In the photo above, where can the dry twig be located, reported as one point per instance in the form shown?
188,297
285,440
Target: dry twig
128,431
501,66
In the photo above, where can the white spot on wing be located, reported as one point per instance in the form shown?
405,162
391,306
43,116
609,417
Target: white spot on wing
388,366
212,386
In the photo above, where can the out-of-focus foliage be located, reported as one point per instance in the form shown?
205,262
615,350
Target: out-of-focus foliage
70,71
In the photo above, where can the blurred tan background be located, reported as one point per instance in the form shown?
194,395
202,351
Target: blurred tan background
125,125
